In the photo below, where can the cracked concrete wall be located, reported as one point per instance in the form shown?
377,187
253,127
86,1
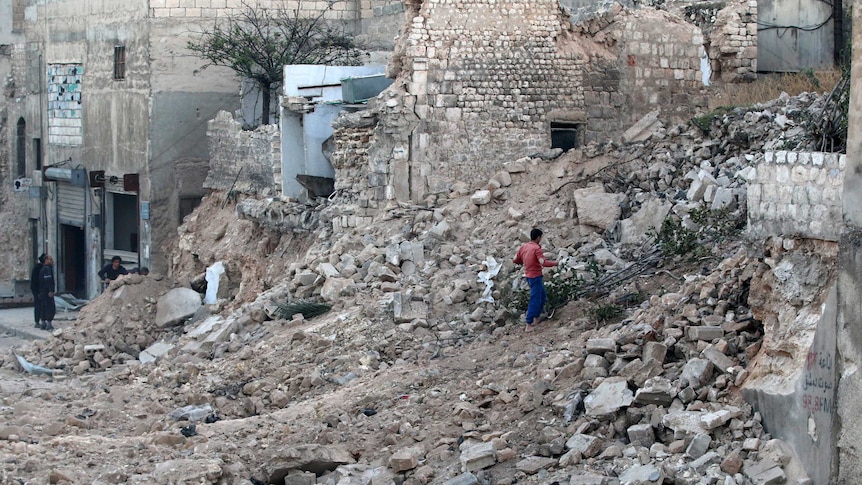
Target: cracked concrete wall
794,375
257,153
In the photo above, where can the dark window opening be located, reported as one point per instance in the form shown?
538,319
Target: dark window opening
119,62
188,205
21,148
124,223
37,153
567,135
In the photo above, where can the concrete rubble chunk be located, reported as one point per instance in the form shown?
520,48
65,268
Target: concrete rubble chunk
176,306
687,422
656,351
644,128
657,390
152,353
706,333
699,445
598,209
641,435
649,218
533,464
720,418
476,456
313,458
463,479
481,197
701,464
609,397
587,445
721,361
588,479
642,475
403,460
601,345
764,472
697,372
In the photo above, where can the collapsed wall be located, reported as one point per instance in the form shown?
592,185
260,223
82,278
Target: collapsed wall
479,83
794,202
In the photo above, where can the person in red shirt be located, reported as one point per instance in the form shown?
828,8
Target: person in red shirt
533,259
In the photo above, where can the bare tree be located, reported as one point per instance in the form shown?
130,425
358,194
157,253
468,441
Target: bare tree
258,42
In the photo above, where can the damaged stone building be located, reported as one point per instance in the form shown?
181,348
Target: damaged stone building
105,116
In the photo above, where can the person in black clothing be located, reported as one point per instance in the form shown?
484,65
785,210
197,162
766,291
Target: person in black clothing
110,271
46,293
34,288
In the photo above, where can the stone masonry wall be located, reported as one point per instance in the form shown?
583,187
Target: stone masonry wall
257,153
797,194
733,42
345,10
479,82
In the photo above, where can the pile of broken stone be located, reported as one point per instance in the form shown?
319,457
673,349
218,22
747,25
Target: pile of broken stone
650,399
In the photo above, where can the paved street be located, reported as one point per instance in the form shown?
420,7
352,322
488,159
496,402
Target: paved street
16,326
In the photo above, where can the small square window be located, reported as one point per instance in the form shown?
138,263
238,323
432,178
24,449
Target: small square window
119,62
567,135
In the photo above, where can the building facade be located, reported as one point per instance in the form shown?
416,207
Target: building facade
110,113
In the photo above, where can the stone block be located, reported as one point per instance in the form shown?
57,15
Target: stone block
701,464
697,372
641,435
476,456
656,390
718,359
707,333
588,479
587,445
403,460
533,464
656,351
463,479
642,475
601,345
609,397
699,445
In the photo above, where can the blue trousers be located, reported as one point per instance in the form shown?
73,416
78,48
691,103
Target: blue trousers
538,297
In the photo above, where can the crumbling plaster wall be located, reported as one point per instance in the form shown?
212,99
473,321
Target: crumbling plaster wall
795,204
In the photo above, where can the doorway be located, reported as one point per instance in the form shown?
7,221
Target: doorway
72,261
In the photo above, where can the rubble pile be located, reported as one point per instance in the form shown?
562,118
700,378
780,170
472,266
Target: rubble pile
421,373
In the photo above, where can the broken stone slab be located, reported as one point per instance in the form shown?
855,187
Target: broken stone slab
517,166
597,208
413,251
313,458
533,464
440,230
405,309
211,331
176,306
723,362
684,422
657,390
187,470
307,278
481,197
601,345
463,479
588,479
706,333
764,472
701,464
403,460
697,372
656,351
587,445
649,218
642,475
152,353
476,456
643,129
720,418
336,288
699,445
609,397
641,435
298,477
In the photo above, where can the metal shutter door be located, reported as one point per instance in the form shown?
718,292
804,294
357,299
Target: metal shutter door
70,204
